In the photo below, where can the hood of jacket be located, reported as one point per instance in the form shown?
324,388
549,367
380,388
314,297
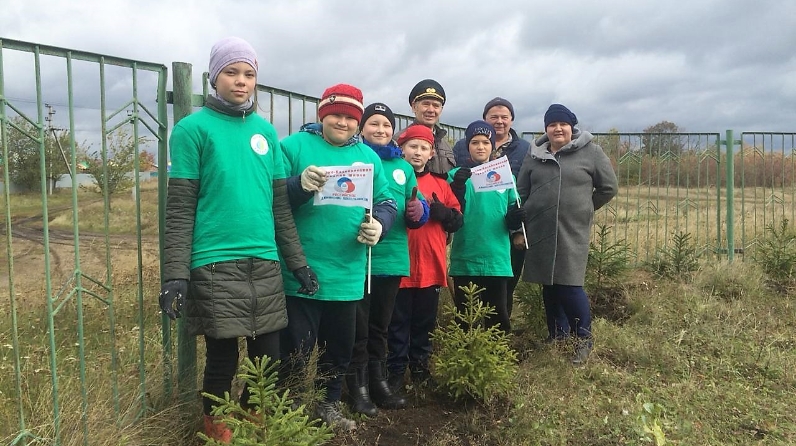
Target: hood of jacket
541,145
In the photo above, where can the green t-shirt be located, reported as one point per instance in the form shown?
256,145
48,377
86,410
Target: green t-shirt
482,246
329,232
391,255
236,161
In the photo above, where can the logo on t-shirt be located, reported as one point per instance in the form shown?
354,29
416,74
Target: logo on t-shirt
399,176
259,144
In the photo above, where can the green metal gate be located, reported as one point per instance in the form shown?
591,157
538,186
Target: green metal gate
76,286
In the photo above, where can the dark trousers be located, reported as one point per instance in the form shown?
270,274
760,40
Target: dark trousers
494,295
374,312
517,262
330,324
413,319
222,362
567,310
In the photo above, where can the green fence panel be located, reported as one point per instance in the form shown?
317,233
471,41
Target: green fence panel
288,111
76,300
765,171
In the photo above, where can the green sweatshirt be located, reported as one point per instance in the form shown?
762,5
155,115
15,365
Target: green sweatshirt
328,232
482,246
235,161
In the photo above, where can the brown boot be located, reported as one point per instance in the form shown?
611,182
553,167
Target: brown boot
217,430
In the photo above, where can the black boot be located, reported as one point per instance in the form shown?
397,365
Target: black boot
357,383
383,396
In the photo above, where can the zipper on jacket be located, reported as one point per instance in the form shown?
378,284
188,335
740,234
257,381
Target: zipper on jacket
254,298
212,279
557,159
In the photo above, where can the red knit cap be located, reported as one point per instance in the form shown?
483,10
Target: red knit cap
416,131
342,99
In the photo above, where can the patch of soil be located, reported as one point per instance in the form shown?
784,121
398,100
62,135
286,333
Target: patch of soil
431,416
612,304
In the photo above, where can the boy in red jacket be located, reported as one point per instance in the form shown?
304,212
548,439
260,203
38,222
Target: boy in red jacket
415,312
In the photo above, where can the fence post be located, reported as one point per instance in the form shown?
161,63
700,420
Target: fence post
186,344
729,143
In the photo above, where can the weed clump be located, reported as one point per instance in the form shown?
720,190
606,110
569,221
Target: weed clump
676,262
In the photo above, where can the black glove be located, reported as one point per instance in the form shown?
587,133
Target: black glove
307,279
460,177
172,296
515,216
437,210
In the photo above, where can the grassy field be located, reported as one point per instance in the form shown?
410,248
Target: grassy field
704,361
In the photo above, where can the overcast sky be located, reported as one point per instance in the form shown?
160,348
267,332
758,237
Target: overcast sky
706,65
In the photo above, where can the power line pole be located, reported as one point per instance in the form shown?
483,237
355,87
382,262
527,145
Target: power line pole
49,119
52,128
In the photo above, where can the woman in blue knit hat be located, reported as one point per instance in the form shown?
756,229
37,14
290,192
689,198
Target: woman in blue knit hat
564,178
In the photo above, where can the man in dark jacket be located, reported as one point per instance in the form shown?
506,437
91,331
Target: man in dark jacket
500,113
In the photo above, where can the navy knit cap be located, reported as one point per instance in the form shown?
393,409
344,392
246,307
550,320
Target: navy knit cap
229,51
559,113
377,108
499,101
480,128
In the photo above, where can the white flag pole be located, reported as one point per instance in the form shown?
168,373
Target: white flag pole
370,220
370,250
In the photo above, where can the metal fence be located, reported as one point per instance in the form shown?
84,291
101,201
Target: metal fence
677,183
77,315
82,339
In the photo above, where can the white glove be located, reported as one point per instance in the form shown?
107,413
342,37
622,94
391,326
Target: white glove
313,178
369,232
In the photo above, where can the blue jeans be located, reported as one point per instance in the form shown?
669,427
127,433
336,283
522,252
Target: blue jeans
567,310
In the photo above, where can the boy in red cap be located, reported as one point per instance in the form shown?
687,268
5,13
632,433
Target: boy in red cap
415,312
335,238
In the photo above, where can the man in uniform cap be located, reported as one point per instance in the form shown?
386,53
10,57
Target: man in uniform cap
427,99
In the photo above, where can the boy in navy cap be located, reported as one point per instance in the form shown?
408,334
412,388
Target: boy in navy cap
480,250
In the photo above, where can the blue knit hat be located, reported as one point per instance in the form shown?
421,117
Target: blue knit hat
229,51
480,128
559,113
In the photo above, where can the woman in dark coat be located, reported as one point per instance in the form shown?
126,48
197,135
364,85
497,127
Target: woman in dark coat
564,178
